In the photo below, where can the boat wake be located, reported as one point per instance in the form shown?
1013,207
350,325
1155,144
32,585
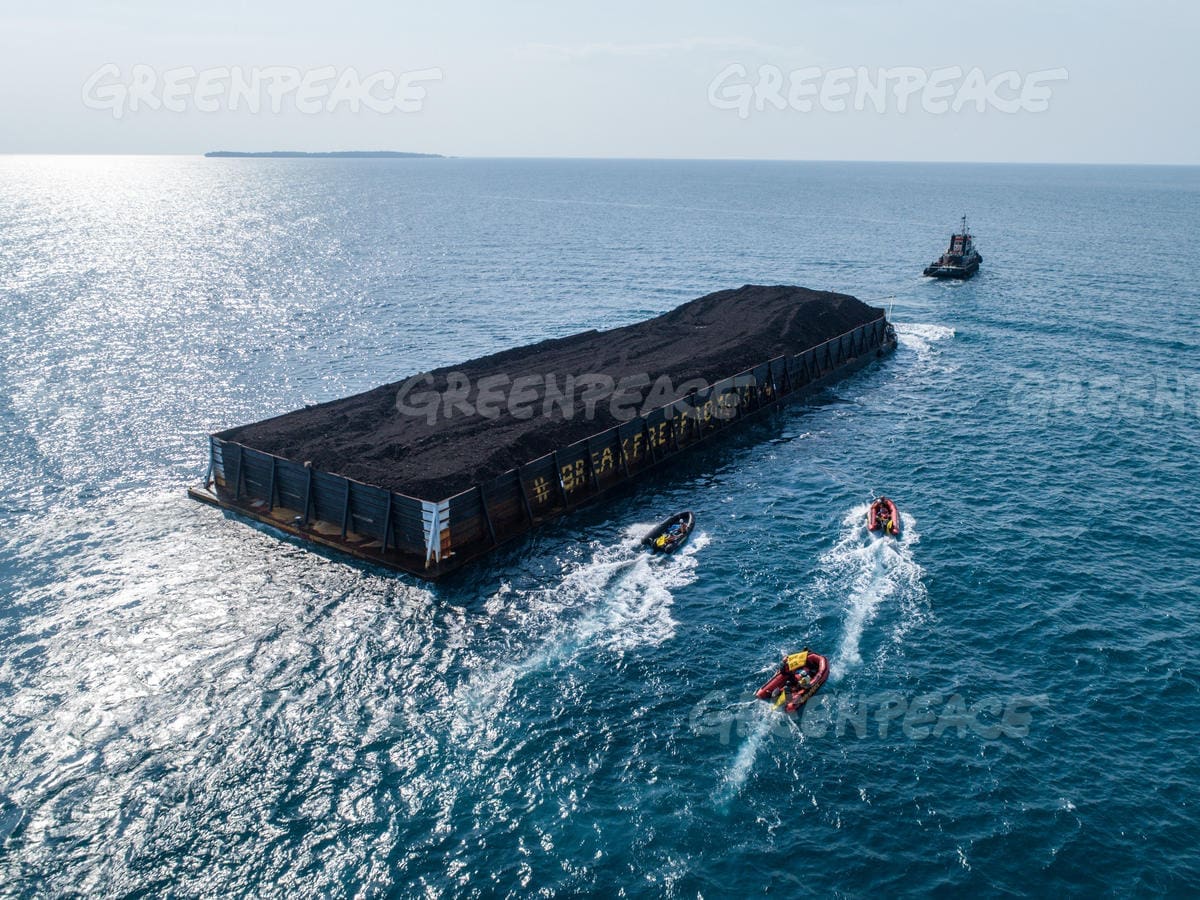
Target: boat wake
920,336
634,610
618,600
922,340
861,573
866,571
766,720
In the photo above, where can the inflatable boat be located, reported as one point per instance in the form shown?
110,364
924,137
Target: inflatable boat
799,676
883,516
668,536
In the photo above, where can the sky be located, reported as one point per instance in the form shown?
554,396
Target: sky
1070,82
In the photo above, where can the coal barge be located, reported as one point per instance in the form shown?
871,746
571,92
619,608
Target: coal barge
429,473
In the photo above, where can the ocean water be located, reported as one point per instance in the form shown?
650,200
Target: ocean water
190,705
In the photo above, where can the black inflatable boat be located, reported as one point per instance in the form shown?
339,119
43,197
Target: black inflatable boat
668,536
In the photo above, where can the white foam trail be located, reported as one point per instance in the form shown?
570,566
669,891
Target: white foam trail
638,609
743,762
626,595
920,337
868,570
922,340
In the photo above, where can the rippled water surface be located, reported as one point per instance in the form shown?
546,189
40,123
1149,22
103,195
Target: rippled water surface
191,705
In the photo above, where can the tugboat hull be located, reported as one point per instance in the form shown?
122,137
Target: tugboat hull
959,272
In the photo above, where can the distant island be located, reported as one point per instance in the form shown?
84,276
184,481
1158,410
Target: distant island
331,154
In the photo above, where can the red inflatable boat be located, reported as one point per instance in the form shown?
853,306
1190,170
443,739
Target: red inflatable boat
800,676
883,516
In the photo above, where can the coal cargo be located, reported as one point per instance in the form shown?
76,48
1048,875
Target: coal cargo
427,473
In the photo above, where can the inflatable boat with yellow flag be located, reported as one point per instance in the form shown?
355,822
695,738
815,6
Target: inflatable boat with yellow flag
800,675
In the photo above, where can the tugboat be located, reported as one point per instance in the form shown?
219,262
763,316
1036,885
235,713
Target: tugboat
961,260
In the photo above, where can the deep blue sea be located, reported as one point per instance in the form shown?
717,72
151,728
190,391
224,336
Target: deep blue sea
193,706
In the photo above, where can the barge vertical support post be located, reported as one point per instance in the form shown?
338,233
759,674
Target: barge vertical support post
346,510
525,505
209,481
271,485
445,541
562,489
649,443
487,519
430,513
307,497
387,525
592,467
237,481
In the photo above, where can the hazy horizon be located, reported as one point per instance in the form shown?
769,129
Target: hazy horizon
581,158
864,81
